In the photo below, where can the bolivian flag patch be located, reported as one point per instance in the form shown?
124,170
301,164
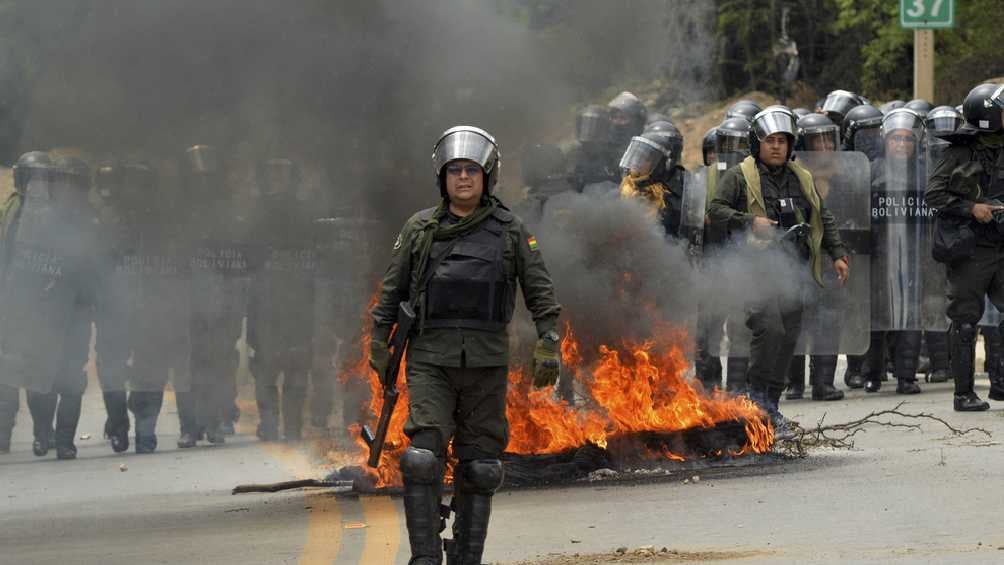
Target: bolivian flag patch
532,242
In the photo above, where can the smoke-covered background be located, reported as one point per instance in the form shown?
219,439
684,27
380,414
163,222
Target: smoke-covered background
358,92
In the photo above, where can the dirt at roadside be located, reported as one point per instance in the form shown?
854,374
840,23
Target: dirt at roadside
650,556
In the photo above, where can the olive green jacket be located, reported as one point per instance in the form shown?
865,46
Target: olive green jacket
456,347
734,206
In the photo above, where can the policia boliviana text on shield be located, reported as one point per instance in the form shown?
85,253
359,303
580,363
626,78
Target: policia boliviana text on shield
458,264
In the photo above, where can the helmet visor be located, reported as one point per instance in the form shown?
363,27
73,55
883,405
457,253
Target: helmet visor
641,157
774,121
867,141
592,127
465,144
822,139
839,103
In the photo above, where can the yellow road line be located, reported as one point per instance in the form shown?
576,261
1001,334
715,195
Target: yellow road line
383,531
324,530
324,524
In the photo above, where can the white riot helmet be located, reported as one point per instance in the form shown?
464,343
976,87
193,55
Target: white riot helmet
773,119
473,144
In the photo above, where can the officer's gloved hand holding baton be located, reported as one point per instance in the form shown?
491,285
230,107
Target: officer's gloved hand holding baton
547,360
985,212
379,356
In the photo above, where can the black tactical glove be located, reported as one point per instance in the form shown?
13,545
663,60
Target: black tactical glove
547,360
379,356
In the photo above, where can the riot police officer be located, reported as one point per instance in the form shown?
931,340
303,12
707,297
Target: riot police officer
897,177
838,103
627,119
590,159
966,188
945,121
281,306
48,292
220,269
751,199
708,148
544,176
652,172
459,264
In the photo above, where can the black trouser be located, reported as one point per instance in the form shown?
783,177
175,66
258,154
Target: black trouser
65,408
265,367
906,354
991,350
709,363
775,324
145,407
937,349
10,400
969,283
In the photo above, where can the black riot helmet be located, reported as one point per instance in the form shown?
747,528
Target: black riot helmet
800,112
627,115
651,154
661,125
743,109
278,178
920,106
891,105
944,120
860,130
545,169
732,142
838,103
817,132
708,146
472,144
773,119
34,165
592,124
656,117
982,107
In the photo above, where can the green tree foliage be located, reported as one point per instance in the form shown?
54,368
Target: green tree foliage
857,45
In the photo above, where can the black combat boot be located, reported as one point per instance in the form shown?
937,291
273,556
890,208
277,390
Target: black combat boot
67,418
962,341
43,410
852,374
937,349
293,399
907,386
186,403
735,374
117,423
423,490
474,487
768,400
796,378
145,406
267,398
822,372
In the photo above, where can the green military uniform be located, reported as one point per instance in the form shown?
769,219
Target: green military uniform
457,375
969,173
775,322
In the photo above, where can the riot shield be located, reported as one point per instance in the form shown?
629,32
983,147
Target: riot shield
693,204
835,318
908,290
991,316
43,272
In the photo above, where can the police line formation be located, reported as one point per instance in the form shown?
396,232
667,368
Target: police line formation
907,195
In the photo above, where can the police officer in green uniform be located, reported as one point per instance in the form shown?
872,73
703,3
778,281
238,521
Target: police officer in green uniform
751,198
967,188
459,264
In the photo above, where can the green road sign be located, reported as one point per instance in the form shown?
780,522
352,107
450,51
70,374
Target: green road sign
926,14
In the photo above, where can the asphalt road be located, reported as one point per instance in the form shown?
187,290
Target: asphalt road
901,496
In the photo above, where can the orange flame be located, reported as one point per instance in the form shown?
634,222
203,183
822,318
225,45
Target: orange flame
637,387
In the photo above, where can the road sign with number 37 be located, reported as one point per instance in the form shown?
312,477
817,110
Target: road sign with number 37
926,14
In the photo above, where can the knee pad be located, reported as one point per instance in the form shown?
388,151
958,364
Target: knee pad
431,440
964,332
420,466
480,476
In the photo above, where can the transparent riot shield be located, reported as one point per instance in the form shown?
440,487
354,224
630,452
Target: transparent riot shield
693,205
991,316
835,317
909,287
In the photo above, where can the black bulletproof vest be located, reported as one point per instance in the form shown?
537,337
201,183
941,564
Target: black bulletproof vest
469,288
992,187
